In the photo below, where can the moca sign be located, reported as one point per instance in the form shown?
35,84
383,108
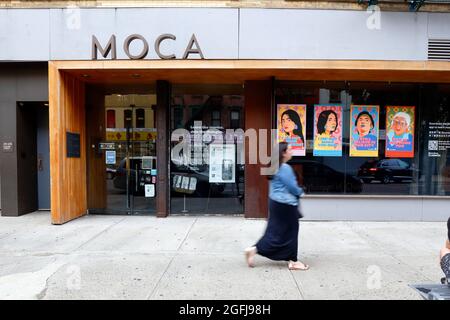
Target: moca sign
111,47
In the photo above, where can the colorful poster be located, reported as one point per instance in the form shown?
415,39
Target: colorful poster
364,123
400,131
291,125
327,130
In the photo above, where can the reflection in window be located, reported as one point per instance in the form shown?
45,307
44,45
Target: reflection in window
128,118
140,118
215,118
191,189
235,119
110,118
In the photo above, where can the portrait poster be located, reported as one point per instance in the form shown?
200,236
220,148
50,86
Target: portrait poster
400,127
291,126
327,130
364,129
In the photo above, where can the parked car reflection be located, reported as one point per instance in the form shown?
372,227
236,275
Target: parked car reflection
386,171
320,178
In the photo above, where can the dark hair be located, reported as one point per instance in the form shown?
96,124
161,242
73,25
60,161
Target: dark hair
322,120
367,114
282,147
296,119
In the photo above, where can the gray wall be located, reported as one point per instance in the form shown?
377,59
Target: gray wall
65,34
18,82
376,208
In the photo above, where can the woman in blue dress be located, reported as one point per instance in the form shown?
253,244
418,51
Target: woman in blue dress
280,240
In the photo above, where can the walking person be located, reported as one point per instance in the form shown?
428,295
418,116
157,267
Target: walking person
280,240
445,256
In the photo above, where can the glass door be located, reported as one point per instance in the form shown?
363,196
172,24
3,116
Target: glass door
129,150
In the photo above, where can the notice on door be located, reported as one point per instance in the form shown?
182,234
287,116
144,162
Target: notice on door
222,163
110,157
149,190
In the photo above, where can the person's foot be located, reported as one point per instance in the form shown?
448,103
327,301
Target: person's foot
297,265
249,256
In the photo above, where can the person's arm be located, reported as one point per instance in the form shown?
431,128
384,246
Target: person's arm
287,176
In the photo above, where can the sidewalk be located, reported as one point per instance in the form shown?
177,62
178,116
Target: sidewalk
123,257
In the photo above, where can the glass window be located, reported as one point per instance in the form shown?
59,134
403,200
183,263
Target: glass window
426,172
111,119
215,118
235,119
128,118
210,180
140,118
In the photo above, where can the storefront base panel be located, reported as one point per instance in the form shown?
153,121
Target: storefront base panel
376,209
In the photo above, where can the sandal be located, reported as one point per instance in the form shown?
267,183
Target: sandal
298,266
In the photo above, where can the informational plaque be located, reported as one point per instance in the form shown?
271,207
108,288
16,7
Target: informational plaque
73,145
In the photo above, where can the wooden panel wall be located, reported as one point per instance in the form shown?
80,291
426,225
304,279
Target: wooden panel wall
68,175
95,133
258,96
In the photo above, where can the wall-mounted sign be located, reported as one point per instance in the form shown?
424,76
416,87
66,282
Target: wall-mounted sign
364,122
291,124
73,145
110,157
400,132
192,47
327,130
8,147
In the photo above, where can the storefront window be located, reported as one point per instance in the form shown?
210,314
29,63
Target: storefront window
201,184
404,153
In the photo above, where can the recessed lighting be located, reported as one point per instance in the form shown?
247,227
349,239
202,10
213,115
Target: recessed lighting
86,76
135,75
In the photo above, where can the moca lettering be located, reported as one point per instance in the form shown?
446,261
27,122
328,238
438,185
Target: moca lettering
192,47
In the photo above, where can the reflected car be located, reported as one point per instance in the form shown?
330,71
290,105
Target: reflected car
320,178
138,177
386,171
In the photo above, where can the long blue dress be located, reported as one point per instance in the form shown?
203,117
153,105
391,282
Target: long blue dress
280,239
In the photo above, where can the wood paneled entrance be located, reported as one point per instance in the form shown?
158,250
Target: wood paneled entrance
67,79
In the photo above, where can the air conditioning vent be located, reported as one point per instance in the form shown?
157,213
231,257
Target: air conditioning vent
439,49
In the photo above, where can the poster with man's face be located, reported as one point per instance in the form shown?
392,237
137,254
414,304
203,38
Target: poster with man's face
364,121
400,126
291,127
327,130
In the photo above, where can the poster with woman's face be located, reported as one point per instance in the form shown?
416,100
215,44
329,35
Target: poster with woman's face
400,131
364,123
327,130
291,126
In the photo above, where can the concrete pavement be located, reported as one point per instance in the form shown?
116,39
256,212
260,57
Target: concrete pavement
201,257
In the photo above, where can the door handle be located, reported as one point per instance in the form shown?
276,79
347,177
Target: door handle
39,163
137,189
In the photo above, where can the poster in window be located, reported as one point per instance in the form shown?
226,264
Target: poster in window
222,163
291,125
400,126
364,122
327,130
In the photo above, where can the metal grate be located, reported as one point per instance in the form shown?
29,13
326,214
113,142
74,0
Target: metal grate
439,49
